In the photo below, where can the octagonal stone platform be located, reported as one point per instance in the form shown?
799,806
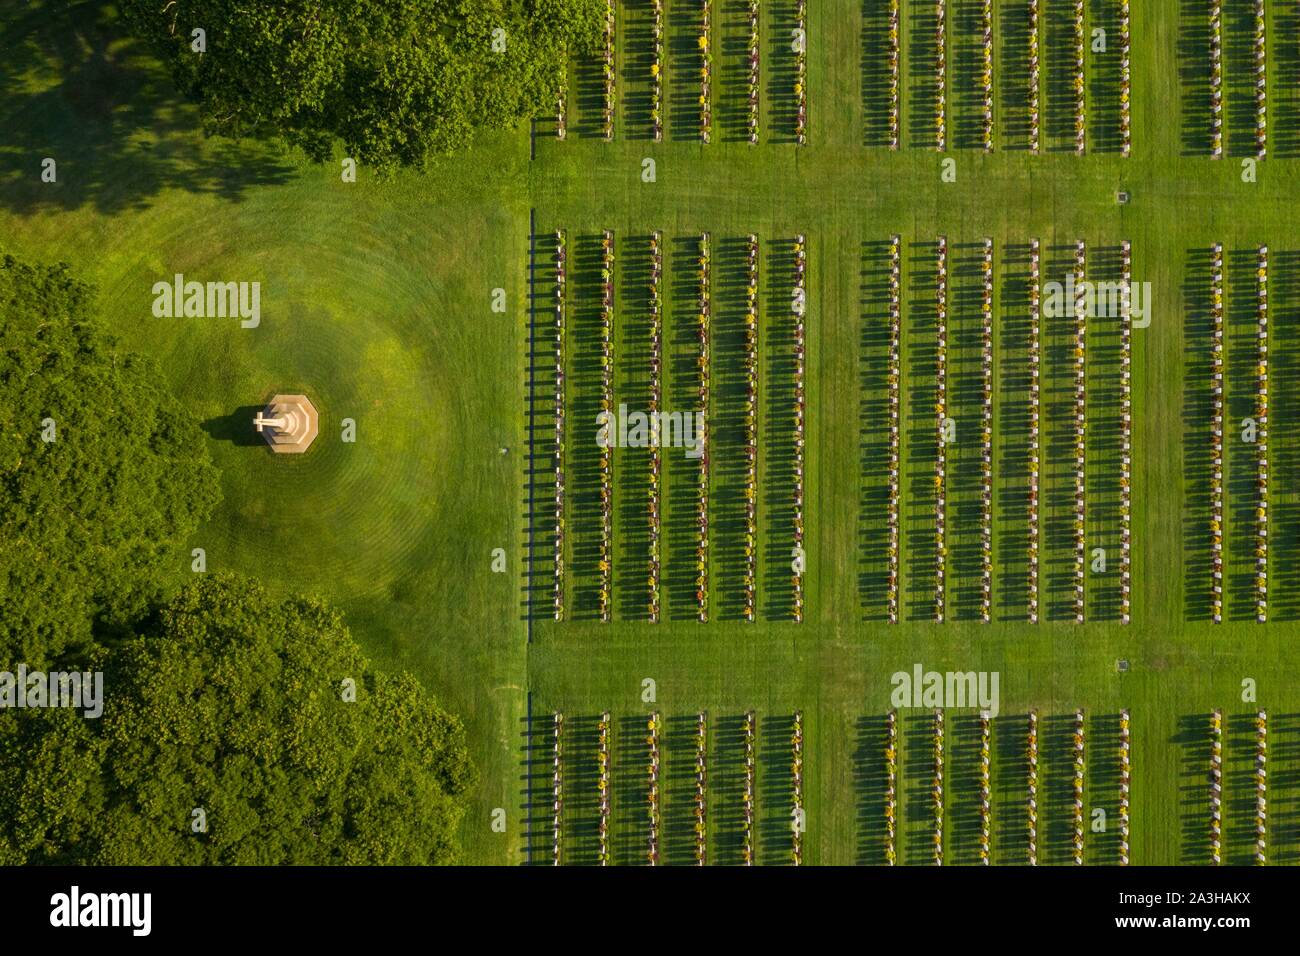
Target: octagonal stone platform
289,424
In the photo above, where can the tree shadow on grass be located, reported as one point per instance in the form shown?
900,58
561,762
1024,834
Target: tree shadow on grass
81,91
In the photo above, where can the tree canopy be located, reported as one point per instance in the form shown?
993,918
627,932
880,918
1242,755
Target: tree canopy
102,473
234,704
394,82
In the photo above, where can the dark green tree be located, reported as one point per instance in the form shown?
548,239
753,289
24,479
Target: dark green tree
394,82
235,704
103,475
50,784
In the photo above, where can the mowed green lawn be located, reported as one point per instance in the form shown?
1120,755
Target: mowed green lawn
376,302
836,666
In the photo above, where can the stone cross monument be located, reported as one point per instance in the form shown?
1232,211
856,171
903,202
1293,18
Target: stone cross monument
288,423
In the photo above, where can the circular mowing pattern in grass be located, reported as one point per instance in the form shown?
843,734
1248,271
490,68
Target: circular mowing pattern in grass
347,318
